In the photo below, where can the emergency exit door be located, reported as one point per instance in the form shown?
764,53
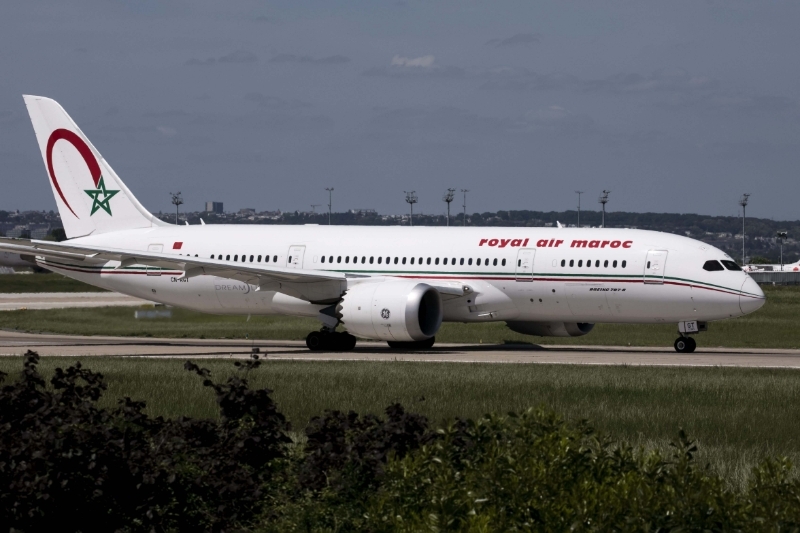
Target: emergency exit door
654,266
524,268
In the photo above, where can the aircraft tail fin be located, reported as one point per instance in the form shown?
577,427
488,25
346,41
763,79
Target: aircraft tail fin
91,198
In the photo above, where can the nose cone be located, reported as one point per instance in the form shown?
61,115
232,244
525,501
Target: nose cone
752,297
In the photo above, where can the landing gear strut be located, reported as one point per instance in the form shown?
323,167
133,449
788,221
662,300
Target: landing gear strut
330,340
412,345
685,345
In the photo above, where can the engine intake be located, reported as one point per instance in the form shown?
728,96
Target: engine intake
392,310
551,329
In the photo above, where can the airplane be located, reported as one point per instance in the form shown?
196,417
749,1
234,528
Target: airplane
786,267
393,284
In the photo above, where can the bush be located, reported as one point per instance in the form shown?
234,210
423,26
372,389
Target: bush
91,469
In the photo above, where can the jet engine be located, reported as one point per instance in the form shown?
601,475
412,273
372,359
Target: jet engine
551,329
392,310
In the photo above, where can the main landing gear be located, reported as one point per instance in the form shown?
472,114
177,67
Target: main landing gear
412,345
333,341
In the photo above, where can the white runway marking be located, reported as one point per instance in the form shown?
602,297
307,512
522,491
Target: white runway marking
64,300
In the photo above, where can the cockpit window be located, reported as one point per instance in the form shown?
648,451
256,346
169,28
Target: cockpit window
730,265
712,266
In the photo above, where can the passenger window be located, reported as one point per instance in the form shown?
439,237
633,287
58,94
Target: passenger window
347,259
259,258
494,263
388,260
395,260
648,265
453,262
339,259
404,260
212,256
330,259
244,258
597,263
437,261
580,263
711,266
412,260
290,259
605,263
614,264
444,261
251,258
504,262
730,265
624,264
323,258
563,262
429,261
469,261
228,257
589,263
486,262
478,262
380,260
571,262
371,259
461,261
236,257
266,259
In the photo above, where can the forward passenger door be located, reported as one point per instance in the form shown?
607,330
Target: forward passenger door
524,268
294,259
654,267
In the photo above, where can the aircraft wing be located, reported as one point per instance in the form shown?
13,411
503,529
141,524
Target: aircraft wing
312,285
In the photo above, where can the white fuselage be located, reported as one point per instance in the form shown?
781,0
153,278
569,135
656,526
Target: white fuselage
520,274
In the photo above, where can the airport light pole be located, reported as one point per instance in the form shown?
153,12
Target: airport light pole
781,237
465,191
176,201
743,203
330,202
579,207
411,199
604,200
448,197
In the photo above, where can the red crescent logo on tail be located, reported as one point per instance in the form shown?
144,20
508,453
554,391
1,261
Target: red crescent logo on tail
83,149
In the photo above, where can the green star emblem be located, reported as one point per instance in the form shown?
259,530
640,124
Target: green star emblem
95,194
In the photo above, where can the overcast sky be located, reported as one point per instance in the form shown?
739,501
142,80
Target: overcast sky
673,106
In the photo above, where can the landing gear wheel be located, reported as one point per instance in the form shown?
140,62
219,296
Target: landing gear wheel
316,341
345,342
685,345
412,345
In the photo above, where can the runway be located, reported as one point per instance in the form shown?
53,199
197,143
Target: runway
64,300
15,344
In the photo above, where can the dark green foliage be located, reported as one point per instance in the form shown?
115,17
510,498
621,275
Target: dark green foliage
63,459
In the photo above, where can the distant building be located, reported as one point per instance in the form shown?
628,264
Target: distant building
363,212
214,207
247,211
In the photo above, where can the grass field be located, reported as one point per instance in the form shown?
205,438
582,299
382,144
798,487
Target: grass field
42,283
739,416
774,326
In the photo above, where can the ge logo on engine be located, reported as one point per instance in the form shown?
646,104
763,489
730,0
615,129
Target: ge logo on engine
385,314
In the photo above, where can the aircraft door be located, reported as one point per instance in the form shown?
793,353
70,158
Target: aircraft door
294,259
524,269
654,266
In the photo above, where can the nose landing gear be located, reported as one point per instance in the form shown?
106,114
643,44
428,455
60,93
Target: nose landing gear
685,345
333,341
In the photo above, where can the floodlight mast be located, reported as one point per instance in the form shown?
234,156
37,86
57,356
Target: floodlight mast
579,207
448,197
176,201
465,191
604,200
411,199
743,203
781,237
330,202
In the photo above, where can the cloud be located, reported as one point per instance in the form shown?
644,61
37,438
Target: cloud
520,39
166,131
421,62
237,56
419,67
275,103
329,60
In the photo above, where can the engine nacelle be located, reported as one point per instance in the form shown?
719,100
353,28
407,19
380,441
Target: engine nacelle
392,310
551,329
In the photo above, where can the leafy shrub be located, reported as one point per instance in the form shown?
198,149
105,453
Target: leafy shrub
63,460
